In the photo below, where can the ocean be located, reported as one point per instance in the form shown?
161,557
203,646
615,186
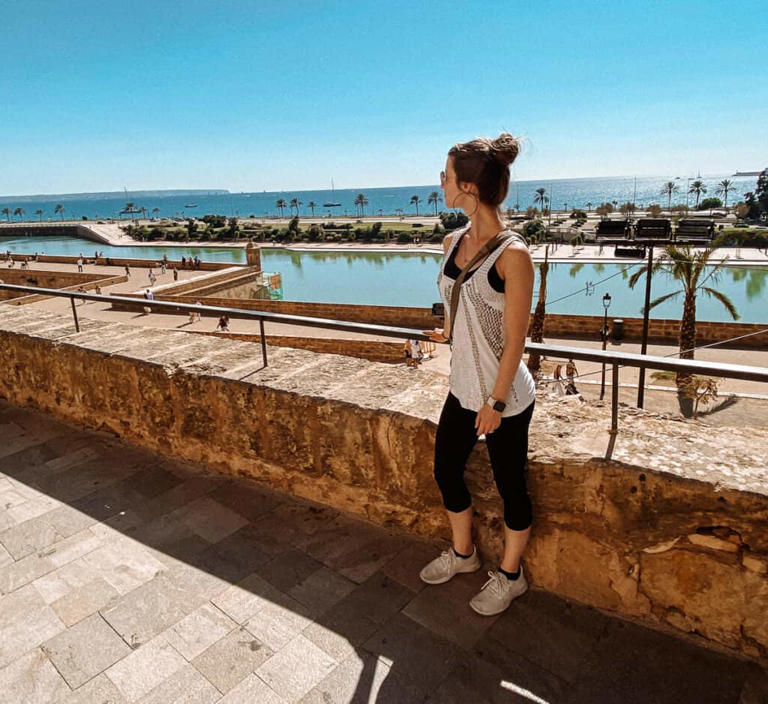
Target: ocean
565,194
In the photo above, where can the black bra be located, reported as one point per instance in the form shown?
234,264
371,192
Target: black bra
452,271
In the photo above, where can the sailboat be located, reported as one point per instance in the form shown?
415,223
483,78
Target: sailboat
332,205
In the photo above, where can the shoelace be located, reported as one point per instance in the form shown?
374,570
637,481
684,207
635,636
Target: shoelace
497,583
447,558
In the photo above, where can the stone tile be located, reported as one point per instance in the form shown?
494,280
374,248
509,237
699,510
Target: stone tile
477,680
83,601
445,610
276,624
71,548
180,496
99,690
186,686
124,564
150,609
288,569
109,501
252,689
209,519
170,536
296,669
235,557
242,600
154,480
81,480
25,623
17,574
31,679
419,658
84,650
68,521
32,508
5,557
672,670
548,632
293,524
406,565
198,583
6,521
145,668
248,499
228,661
199,630
321,590
360,679
63,580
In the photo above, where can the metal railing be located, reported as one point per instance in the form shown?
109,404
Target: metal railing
615,360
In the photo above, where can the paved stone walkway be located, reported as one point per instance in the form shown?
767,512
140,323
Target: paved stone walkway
127,577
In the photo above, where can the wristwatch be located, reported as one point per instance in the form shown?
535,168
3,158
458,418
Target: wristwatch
496,405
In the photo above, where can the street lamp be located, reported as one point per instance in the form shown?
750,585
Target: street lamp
604,333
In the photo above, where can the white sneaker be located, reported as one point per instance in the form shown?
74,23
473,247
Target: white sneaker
497,593
449,564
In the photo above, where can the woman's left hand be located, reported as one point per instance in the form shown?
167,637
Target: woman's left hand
487,420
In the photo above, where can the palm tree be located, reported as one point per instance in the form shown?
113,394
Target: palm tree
155,211
589,205
434,199
39,214
143,211
295,203
693,270
723,188
668,189
361,201
415,200
60,210
541,198
539,313
7,213
698,188
19,212
280,204
312,205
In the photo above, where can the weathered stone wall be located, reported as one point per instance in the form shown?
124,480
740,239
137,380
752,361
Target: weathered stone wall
122,261
65,280
671,530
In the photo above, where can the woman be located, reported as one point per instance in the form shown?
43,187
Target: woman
491,390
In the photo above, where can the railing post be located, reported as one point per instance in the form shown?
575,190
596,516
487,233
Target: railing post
74,313
615,399
263,341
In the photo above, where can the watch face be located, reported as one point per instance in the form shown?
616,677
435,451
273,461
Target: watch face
499,406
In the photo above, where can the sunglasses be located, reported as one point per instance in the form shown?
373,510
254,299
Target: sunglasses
442,177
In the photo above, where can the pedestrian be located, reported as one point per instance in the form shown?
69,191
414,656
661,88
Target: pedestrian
175,274
570,370
223,325
162,268
97,290
558,375
486,283
127,271
152,278
150,297
81,289
183,262
80,264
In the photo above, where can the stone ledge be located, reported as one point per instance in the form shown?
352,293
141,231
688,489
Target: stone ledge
359,436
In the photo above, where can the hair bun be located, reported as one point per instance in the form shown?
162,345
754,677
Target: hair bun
505,148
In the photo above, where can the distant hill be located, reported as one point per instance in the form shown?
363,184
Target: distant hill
110,195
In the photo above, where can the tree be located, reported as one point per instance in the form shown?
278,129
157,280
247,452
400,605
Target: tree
539,314
541,198
360,202
280,204
39,214
233,229
723,189
19,212
399,211
654,210
589,205
295,203
312,205
60,210
155,211
415,200
668,189
762,191
709,203
693,270
191,228
698,188
143,211
434,199
627,208
7,213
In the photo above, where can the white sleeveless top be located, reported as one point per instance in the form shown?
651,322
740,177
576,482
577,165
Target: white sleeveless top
479,337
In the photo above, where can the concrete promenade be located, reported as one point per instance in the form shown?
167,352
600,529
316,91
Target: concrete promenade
128,577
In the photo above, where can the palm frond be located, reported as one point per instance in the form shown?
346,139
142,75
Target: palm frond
637,276
727,302
658,301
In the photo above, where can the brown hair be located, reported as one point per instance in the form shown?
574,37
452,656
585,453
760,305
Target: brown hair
485,162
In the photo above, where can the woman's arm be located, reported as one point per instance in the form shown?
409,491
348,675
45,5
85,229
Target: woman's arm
516,269
436,335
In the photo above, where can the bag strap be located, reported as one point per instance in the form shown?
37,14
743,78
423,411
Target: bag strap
485,252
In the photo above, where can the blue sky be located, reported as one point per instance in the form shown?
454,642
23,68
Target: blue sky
252,96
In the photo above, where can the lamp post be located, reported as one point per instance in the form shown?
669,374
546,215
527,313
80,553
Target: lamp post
604,332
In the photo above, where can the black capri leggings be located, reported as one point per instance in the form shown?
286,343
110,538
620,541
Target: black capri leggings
507,448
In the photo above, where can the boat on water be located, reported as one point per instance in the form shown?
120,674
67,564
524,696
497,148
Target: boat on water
191,205
333,192
747,173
